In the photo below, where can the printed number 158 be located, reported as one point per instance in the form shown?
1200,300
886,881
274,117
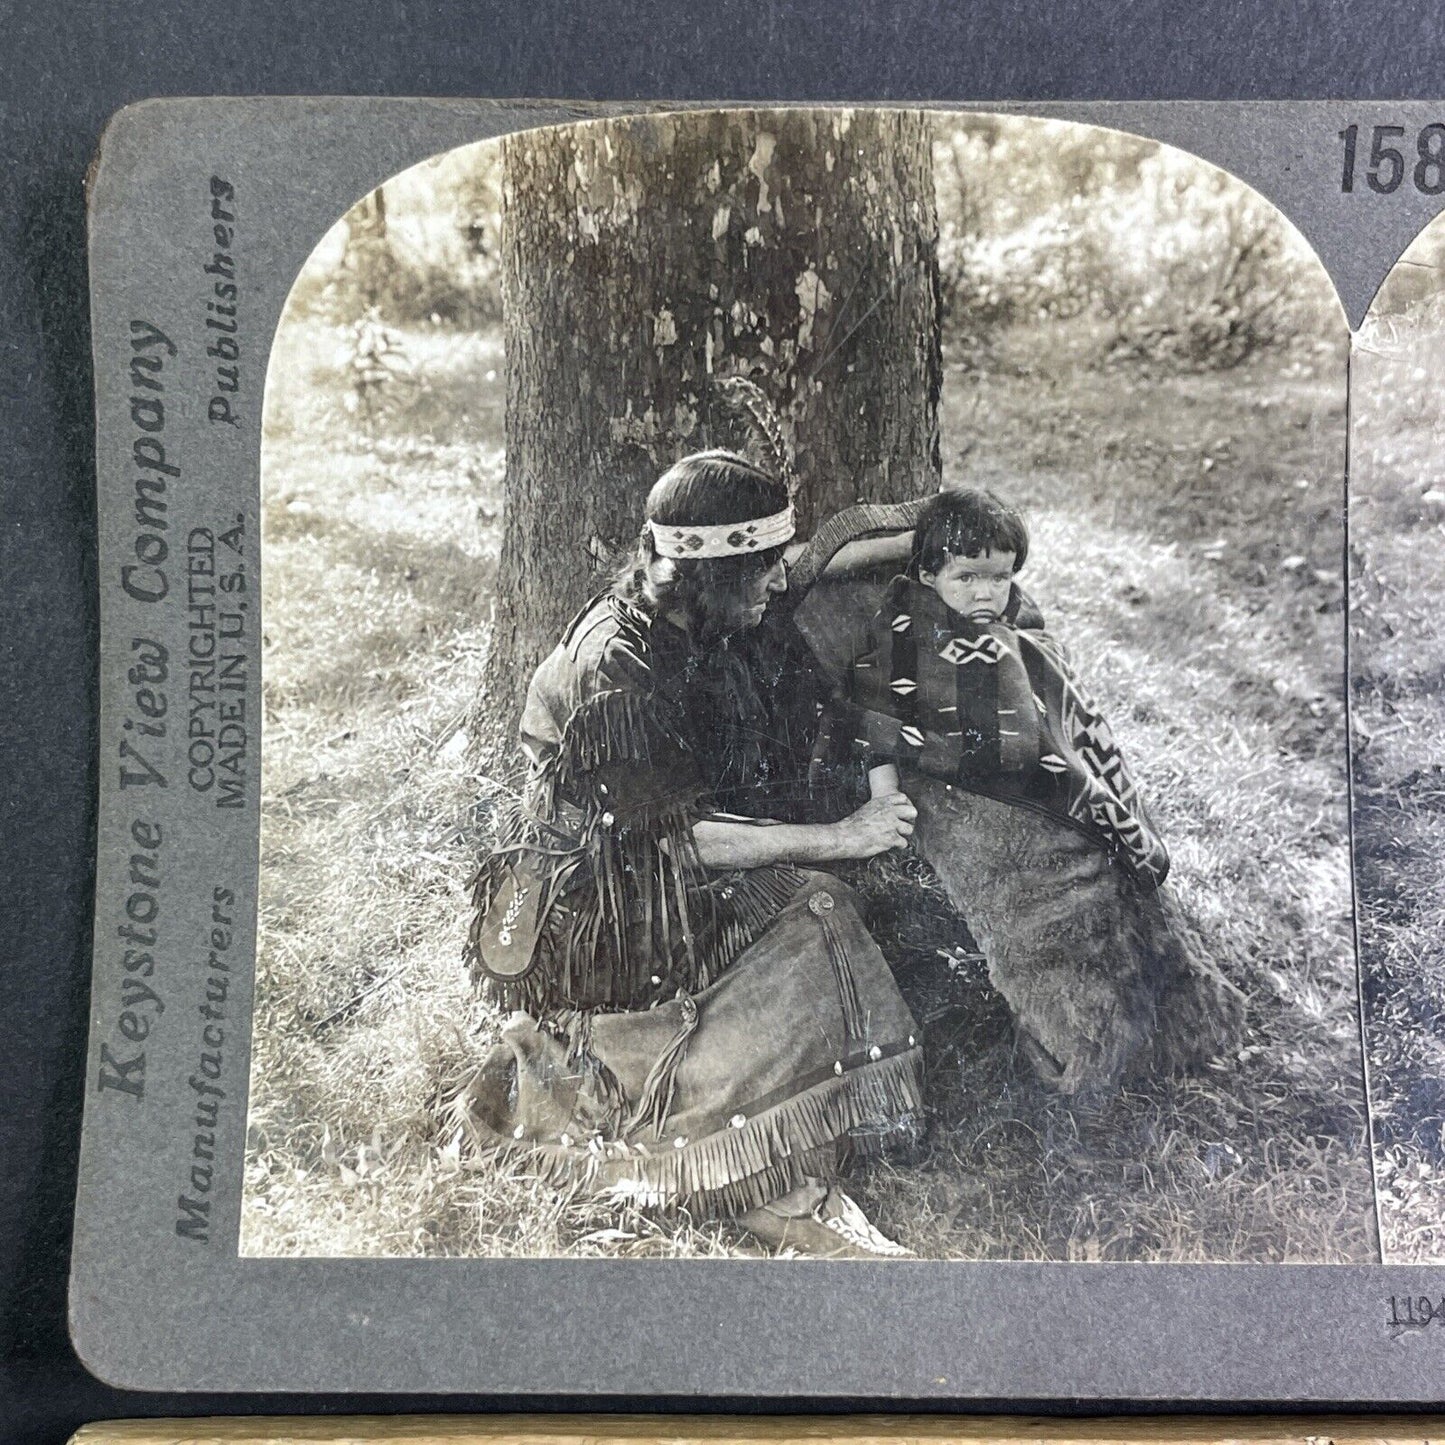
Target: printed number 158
1387,164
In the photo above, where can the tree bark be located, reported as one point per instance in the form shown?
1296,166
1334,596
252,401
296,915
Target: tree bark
368,246
644,260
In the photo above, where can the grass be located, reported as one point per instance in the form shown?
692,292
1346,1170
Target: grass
1397,640
1188,548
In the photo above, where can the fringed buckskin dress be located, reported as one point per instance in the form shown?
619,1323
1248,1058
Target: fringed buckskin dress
681,1036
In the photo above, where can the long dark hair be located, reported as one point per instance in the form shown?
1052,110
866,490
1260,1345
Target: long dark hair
706,489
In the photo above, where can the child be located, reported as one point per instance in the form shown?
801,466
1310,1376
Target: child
1027,812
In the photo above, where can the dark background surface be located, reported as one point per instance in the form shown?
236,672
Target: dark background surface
66,66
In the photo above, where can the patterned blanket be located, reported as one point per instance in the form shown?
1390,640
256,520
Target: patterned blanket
995,709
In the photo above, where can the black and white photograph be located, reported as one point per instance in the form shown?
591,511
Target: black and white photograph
1397,707
805,710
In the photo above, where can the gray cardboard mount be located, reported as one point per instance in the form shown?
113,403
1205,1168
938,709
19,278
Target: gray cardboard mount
152,1309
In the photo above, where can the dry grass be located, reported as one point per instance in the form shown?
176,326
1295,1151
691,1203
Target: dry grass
1397,641
1188,546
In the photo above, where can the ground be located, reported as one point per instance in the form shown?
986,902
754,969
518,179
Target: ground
1187,546
1397,639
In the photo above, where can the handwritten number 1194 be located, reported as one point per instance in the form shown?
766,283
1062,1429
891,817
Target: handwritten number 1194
1386,164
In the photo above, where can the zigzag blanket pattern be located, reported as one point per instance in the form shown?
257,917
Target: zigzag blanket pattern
996,709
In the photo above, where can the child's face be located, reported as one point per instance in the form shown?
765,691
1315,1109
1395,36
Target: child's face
974,587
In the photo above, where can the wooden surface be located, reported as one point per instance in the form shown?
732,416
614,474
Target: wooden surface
772,1430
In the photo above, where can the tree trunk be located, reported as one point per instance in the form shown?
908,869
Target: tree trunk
645,259
368,247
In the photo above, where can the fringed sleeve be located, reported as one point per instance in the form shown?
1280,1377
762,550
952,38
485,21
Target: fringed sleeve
629,916
607,826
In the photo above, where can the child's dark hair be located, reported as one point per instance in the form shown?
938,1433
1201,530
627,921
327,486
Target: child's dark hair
966,524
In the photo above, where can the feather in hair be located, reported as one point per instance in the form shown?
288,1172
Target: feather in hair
748,399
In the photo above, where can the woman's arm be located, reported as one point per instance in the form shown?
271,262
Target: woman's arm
880,824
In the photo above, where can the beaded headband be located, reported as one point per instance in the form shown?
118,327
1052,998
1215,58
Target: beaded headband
730,539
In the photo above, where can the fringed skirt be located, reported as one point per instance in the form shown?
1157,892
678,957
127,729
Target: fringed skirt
722,1100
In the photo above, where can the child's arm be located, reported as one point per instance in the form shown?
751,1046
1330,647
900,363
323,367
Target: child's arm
883,779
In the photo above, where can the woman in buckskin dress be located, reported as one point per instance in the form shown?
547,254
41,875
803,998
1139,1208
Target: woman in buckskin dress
699,1019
